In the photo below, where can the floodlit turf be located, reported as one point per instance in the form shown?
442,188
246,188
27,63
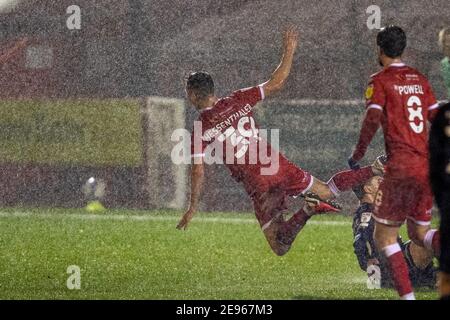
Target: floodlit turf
140,255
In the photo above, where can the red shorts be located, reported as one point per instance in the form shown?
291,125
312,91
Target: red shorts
269,193
404,197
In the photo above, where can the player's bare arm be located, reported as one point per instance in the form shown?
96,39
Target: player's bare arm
12,51
197,177
281,73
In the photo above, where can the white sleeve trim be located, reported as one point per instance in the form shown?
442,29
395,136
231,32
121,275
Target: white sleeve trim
261,90
375,106
434,106
198,155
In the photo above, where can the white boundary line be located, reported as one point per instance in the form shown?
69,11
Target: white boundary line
320,102
21,214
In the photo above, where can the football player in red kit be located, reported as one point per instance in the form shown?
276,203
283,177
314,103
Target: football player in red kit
401,100
227,131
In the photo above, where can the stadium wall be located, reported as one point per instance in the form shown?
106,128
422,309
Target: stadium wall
49,148
144,48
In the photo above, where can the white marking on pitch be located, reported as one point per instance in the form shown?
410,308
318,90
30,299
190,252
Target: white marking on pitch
18,214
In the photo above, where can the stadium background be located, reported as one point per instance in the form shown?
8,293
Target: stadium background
74,103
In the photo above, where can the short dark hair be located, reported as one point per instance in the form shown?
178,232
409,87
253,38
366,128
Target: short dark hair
201,82
392,40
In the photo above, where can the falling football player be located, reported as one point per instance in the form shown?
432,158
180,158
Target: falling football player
400,99
228,127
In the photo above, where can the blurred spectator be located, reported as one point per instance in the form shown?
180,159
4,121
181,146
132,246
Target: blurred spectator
440,182
444,43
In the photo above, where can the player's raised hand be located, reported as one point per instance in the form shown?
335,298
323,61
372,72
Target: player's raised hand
290,39
182,225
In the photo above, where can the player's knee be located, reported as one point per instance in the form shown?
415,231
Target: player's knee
280,250
322,189
379,241
416,236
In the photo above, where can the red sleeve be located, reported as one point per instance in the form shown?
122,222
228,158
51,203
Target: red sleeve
369,128
375,95
250,96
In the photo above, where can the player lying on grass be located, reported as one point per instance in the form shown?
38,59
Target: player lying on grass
400,99
419,260
230,121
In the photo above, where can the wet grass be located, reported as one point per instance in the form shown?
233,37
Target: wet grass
140,255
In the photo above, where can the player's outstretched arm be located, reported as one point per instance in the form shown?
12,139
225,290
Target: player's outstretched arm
369,128
197,177
281,73
8,54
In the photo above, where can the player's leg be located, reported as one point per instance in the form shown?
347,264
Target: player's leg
389,214
269,203
419,256
420,265
385,237
425,245
281,233
419,221
346,180
424,236
269,207
340,182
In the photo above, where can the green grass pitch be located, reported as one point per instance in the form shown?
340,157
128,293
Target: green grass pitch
140,255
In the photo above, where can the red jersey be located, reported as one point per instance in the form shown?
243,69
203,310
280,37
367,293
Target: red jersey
230,135
229,128
407,101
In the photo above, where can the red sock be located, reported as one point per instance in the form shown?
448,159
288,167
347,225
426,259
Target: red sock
300,217
292,227
347,180
432,241
399,271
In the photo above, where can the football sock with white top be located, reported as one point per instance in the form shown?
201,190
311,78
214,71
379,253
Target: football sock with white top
348,179
399,271
432,241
